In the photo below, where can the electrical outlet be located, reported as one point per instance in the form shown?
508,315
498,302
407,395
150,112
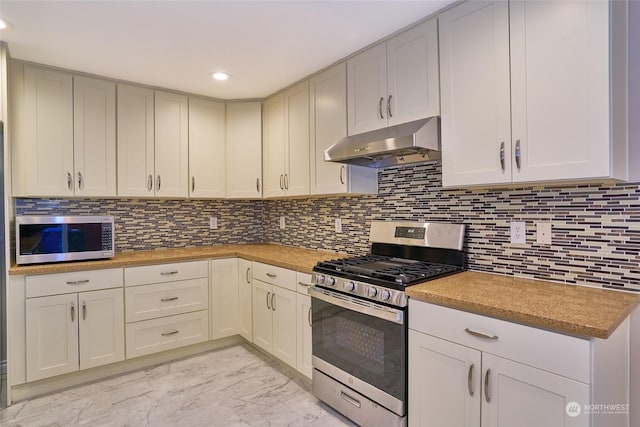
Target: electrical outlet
543,233
282,224
338,225
213,223
518,233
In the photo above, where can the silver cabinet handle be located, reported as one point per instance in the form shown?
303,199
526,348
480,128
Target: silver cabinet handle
470,380
169,273
304,284
273,302
281,183
355,402
286,181
73,312
518,154
193,184
84,310
158,183
258,185
480,334
268,306
310,318
166,334
168,299
69,181
342,170
246,275
150,183
79,180
78,282
486,386
273,276
389,107
502,155
380,107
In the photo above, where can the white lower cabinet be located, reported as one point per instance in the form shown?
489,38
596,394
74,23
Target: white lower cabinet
471,370
75,330
167,306
224,297
245,311
303,315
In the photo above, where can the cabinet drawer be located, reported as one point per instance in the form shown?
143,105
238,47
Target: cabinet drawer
275,275
303,283
562,354
134,276
151,336
166,299
80,281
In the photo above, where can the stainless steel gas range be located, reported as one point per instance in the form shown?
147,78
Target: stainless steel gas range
360,324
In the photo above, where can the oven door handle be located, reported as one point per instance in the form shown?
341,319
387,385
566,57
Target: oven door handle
366,307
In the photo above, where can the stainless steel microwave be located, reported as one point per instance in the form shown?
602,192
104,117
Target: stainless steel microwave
63,238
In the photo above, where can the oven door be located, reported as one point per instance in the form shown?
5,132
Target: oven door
362,345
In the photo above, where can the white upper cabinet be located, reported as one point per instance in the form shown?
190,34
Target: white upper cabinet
328,124
527,93
244,150
206,148
394,82
136,167
64,135
286,143
171,145
94,136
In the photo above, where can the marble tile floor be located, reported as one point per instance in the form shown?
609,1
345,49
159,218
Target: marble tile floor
232,387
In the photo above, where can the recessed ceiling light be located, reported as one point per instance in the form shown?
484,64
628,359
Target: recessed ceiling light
220,75
5,25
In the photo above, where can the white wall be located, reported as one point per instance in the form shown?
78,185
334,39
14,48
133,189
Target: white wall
634,91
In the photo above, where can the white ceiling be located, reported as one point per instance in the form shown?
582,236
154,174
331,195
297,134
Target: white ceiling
264,45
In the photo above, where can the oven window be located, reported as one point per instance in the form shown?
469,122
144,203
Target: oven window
366,347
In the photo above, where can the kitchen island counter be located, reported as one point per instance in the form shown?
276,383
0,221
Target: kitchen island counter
571,309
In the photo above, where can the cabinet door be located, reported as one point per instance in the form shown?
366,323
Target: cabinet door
284,325
94,137
52,336
444,384
303,357
475,98
206,148
560,89
171,144
519,395
245,300
296,178
224,298
412,74
49,132
367,90
135,142
101,315
262,315
274,146
244,150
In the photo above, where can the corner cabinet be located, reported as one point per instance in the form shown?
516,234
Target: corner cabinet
328,124
529,94
244,150
286,143
395,82
496,373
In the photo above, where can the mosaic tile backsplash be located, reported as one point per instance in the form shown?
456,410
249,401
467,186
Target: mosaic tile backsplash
596,227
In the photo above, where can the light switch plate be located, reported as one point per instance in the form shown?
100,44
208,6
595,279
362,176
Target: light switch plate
518,233
338,225
282,222
213,223
543,233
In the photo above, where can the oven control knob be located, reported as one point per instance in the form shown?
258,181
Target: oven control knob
330,281
372,292
349,286
319,279
385,294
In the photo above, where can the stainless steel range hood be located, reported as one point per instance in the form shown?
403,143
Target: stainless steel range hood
412,142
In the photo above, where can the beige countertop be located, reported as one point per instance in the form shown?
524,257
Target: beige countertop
292,258
571,309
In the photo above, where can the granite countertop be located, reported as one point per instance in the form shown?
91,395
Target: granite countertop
571,309
297,259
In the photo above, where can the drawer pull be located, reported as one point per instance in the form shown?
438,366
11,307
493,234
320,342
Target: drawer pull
273,276
166,334
77,282
169,273
168,299
355,402
486,386
470,380
304,284
480,334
